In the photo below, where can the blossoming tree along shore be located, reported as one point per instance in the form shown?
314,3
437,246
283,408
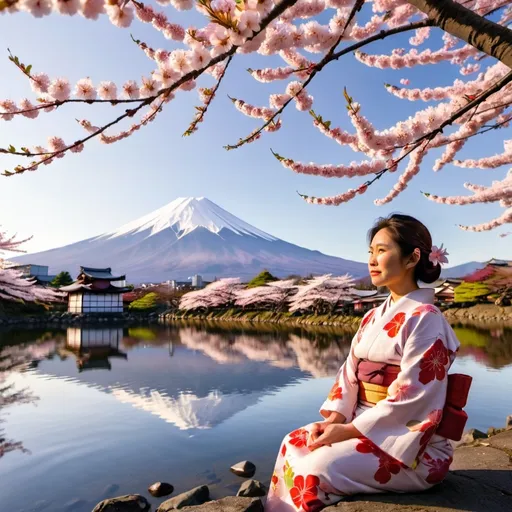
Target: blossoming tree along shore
476,38
319,294
12,284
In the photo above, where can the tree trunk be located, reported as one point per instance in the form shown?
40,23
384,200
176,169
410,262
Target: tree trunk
457,20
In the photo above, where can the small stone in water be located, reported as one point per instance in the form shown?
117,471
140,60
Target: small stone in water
159,489
245,469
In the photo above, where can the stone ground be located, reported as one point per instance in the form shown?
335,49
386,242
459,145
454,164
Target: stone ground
480,480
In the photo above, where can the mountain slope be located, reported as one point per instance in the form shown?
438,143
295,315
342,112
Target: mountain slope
462,270
191,236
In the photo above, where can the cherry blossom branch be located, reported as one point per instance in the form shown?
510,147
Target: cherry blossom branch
191,75
209,95
330,56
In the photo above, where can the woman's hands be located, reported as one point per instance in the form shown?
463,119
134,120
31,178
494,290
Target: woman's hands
326,434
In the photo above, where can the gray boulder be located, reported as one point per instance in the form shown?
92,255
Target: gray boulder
472,435
245,469
128,503
196,496
229,504
252,489
508,422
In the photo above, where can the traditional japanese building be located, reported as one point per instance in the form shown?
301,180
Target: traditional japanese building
96,290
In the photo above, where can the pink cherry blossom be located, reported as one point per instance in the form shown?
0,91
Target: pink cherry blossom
438,255
68,7
37,8
60,89
107,90
85,90
31,111
91,9
40,82
7,109
148,88
121,18
131,90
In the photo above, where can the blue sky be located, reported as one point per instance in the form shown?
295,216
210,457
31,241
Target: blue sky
105,186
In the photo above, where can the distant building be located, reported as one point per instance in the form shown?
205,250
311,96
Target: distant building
444,289
37,272
197,281
96,290
364,304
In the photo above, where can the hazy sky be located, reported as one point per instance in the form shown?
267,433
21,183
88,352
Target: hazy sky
105,186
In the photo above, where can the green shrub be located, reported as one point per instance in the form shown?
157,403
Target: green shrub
471,292
261,279
145,303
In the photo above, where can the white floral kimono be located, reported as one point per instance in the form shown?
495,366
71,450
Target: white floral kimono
399,450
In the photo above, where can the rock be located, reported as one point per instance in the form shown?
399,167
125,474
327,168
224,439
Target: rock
502,441
128,503
196,496
491,431
508,422
252,489
159,489
229,504
245,469
472,435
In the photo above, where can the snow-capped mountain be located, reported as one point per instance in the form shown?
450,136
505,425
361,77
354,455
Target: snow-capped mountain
186,237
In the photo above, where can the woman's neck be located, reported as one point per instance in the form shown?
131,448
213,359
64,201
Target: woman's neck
401,289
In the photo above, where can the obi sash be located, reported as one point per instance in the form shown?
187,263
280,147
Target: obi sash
375,378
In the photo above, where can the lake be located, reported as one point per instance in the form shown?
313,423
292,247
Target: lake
108,411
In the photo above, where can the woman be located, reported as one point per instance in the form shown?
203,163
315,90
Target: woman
387,401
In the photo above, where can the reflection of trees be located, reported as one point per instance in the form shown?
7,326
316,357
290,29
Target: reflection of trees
321,357
491,347
16,358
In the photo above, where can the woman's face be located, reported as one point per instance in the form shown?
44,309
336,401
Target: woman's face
385,261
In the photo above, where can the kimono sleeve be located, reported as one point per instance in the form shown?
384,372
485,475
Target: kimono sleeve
403,423
343,395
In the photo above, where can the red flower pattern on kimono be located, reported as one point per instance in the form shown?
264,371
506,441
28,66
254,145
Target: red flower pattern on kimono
335,393
283,450
393,327
274,481
425,308
438,468
304,492
399,391
299,437
388,466
366,320
433,363
428,427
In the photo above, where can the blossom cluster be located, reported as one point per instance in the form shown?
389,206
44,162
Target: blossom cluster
306,35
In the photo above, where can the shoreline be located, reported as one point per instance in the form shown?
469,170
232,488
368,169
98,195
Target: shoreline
485,315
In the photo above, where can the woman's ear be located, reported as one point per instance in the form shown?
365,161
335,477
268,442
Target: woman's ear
414,258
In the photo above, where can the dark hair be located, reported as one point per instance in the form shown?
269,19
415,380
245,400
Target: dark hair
409,233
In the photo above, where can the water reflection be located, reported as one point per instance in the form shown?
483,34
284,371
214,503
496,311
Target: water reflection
154,397
93,347
491,347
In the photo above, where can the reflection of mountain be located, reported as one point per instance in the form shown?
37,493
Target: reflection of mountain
187,410
211,374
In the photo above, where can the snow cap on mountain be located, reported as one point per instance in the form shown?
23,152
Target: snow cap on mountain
186,214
